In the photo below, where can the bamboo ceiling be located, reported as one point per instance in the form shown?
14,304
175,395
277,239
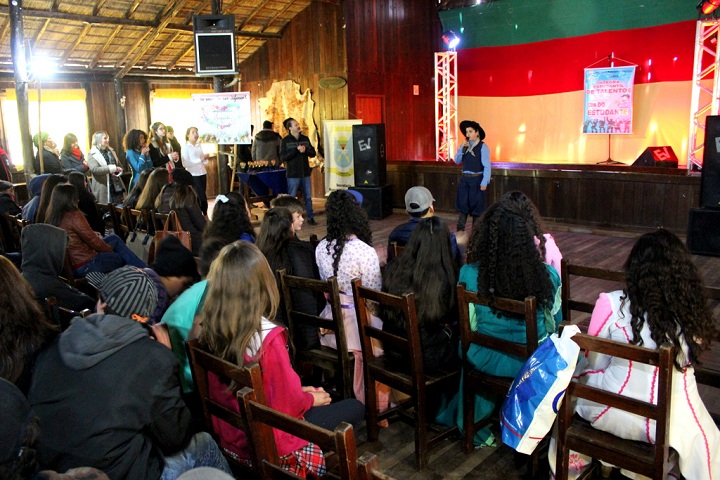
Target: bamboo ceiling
136,37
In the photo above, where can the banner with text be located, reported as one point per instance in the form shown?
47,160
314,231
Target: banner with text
339,166
223,118
609,100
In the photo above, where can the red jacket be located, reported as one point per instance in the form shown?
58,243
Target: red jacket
83,243
283,391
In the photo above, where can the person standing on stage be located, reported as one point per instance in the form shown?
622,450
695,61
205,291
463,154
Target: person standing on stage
295,150
474,155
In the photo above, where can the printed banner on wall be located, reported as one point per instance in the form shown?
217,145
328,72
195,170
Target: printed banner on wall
339,167
609,100
224,118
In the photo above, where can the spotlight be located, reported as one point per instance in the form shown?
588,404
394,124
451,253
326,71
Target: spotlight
452,40
708,6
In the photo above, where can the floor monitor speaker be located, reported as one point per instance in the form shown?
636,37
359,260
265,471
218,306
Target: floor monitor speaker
369,155
657,157
710,183
703,236
377,201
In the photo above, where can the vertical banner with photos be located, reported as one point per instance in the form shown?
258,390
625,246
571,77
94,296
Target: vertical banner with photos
339,167
609,100
223,118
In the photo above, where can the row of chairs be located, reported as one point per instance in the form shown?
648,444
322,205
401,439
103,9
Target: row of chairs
125,219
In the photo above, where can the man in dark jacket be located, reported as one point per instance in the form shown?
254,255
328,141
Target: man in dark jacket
267,145
295,151
44,248
108,395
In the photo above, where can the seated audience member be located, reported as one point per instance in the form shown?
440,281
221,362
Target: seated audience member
242,299
45,194
45,248
71,156
296,209
35,186
545,242
182,316
107,368
146,201
427,269
137,154
346,253
173,272
419,204
503,261
88,252
20,433
132,199
50,154
663,303
87,204
7,199
282,251
231,219
23,325
180,196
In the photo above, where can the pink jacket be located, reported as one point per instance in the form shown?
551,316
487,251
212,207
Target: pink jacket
283,391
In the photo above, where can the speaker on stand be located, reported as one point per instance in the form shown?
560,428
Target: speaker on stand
214,44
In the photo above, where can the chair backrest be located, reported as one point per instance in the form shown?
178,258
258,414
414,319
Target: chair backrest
61,315
202,363
10,232
526,308
296,319
568,302
262,419
124,219
410,346
395,250
314,241
109,208
159,220
601,445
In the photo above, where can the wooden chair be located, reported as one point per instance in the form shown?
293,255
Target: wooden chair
124,220
368,468
105,208
202,363
314,241
475,381
416,384
262,419
395,250
159,220
575,433
572,304
338,362
60,315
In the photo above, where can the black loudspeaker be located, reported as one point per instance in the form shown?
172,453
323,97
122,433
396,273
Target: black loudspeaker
703,237
710,183
214,44
657,157
377,201
369,155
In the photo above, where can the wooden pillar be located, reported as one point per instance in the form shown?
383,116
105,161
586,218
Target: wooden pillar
121,122
222,164
17,48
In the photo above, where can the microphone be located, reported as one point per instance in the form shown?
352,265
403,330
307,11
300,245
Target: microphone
465,149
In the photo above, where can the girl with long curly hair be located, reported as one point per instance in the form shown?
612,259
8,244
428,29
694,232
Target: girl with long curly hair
238,326
427,269
346,253
663,304
230,219
503,261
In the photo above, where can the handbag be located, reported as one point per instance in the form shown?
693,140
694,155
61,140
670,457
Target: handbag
532,403
142,244
176,231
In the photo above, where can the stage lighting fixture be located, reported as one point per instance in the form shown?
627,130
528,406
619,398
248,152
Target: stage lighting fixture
708,6
452,40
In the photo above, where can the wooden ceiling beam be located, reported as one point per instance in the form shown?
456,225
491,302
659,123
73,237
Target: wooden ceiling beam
201,6
98,6
252,14
39,33
110,21
4,29
77,42
132,49
173,63
269,22
55,5
108,42
160,49
133,7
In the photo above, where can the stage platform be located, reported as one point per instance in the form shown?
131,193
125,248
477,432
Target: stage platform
595,196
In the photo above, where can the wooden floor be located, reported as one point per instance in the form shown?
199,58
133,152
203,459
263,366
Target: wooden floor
395,447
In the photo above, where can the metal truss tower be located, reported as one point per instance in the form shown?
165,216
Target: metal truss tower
705,88
446,100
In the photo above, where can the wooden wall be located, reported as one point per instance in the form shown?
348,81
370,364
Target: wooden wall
390,48
312,48
630,199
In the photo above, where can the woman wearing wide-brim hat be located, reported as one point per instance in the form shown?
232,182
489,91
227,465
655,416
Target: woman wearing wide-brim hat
474,155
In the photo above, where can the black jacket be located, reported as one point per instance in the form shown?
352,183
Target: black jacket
51,162
296,163
108,396
44,248
8,205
